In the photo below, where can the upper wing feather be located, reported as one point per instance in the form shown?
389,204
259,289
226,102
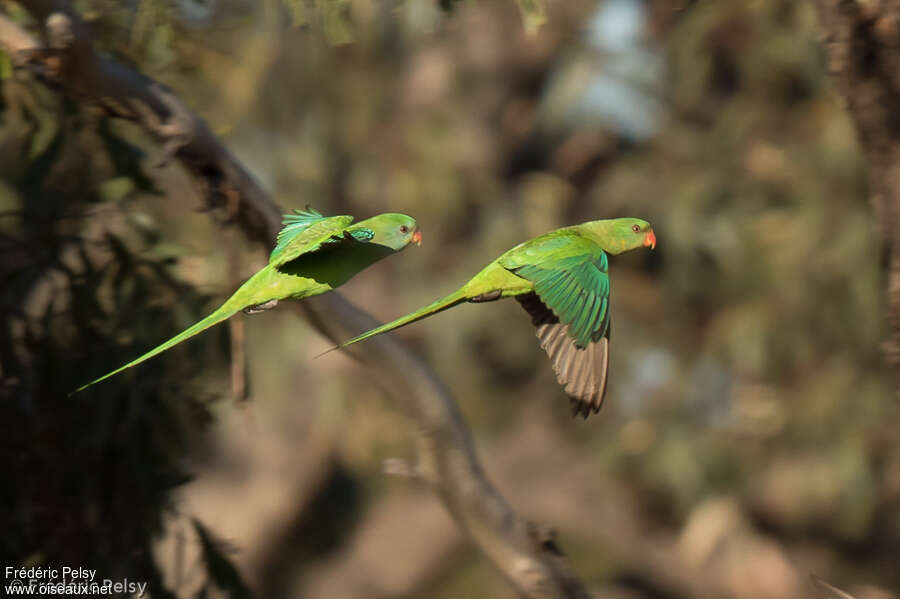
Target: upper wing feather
569,274
308,237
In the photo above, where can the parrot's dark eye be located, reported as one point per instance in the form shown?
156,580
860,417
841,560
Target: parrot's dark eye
635,228
404,229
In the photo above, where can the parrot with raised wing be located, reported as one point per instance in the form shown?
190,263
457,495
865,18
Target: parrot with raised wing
313,255
561,279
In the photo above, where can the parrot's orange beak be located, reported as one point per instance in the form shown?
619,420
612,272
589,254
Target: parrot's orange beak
417,238
650,240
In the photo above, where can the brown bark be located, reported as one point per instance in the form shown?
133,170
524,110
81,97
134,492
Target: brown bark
862,40
446,460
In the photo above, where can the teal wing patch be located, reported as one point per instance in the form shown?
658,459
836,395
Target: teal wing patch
305,233
576,289
362,234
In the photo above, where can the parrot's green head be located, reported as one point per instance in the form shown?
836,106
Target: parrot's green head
622,234
395,231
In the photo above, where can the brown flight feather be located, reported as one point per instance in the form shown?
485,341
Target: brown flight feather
582,371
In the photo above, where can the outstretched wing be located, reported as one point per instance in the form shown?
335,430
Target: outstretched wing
307,230
582,371
570,308
294,224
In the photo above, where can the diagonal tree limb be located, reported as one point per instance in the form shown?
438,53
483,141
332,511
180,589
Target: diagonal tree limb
862,40
524,552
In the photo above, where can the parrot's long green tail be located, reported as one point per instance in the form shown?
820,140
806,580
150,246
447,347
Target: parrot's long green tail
224,312
457,297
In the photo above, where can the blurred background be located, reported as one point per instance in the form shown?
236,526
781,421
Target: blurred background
750,436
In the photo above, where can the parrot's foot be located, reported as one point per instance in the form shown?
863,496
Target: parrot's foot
487,297
261,307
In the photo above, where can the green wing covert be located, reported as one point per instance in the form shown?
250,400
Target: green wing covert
304,233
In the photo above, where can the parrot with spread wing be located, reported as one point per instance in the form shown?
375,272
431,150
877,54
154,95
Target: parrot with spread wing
561,280
313,255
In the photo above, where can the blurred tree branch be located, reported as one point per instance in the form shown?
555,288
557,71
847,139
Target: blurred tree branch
861,39
828,591
526,554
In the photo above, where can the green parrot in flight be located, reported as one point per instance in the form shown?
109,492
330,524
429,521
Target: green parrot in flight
561,279
313,255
